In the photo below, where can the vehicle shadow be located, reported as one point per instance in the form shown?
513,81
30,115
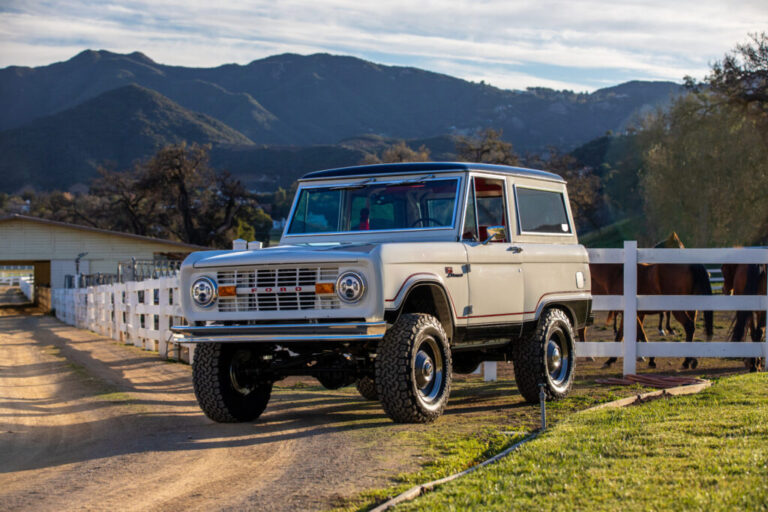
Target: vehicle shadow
114,415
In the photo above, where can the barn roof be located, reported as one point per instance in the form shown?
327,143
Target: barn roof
38,220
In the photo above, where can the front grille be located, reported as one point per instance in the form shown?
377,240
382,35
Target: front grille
277,289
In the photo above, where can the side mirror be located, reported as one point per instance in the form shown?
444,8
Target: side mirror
494,232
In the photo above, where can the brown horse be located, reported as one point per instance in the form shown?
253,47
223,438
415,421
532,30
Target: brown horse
743,279
607,279
672,279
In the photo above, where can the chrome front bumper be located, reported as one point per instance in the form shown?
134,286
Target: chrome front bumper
277,333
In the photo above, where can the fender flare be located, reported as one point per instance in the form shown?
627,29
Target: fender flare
394,306
566,301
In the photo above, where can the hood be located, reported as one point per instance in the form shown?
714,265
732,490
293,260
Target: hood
281,255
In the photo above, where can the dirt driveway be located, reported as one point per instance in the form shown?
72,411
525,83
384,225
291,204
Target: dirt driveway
11,295
86,423
90,424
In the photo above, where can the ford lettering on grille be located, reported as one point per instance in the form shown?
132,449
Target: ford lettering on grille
277,289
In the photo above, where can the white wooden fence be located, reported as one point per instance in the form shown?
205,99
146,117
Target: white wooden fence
138,313
630,303
141,313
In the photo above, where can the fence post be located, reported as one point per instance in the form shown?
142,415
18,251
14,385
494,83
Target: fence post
630,307
765,343
489,371
165,315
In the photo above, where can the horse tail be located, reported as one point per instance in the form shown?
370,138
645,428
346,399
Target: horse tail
750,288
702,286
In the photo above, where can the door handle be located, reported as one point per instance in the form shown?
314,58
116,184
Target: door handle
515,249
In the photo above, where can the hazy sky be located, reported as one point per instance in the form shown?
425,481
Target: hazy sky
579,45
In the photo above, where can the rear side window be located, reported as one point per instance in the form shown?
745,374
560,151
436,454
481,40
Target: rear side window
542,211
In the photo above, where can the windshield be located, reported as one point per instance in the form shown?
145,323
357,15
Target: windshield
377,206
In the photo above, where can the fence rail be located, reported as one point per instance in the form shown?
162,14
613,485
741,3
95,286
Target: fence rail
630,303
139,313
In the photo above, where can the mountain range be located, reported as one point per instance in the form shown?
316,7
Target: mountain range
276,118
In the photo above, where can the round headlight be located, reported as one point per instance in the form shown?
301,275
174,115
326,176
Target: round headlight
350,287
204,292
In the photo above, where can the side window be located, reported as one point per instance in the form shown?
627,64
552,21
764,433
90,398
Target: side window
542,211
490,207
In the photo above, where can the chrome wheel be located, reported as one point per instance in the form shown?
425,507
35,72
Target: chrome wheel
428,370
558,358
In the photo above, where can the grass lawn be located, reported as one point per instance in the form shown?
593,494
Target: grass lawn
700,452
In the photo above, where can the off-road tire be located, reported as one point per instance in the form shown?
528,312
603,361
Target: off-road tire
395,370
366,386
214,389
530,358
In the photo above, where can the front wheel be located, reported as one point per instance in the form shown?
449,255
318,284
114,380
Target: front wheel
546,357
413,369
222,377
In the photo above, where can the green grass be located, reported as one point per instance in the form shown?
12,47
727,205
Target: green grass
456,442
613,235
700,452
443,455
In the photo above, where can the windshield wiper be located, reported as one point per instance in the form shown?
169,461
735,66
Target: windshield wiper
421,179
360,184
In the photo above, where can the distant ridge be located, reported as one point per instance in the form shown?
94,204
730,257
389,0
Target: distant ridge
112,129
285,100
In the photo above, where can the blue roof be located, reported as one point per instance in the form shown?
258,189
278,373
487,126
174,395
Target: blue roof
431,167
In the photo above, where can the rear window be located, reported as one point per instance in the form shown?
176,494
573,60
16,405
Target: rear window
542,211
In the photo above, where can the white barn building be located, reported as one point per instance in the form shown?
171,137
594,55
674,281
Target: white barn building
53,247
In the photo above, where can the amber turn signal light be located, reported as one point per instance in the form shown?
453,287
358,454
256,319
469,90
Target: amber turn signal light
324,288
227,291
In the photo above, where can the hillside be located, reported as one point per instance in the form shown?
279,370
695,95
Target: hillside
112,129
290,101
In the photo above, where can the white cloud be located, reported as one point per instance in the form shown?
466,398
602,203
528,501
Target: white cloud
557,43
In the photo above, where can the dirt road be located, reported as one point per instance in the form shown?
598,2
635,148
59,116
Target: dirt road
86,423
11,295
90,424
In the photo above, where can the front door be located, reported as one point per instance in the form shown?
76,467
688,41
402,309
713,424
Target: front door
495,270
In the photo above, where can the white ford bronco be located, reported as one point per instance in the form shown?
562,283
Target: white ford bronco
394,277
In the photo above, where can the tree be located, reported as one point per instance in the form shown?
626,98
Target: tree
705,160
488,148
705,172
742,76
399,152
174,195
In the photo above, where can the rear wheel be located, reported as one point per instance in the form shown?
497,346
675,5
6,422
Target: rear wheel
546,357
225,388
413,369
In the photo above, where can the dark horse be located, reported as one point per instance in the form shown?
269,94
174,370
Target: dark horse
672,279
672,242
743,279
